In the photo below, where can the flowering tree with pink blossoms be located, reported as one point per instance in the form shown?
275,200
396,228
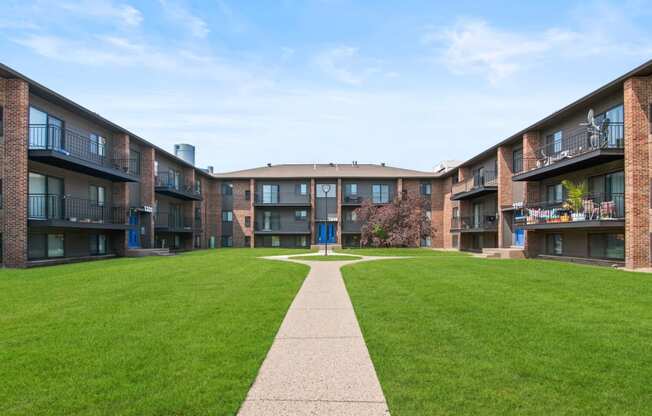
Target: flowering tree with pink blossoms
402,223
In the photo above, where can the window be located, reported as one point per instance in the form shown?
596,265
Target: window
426,189
227,216
351,189
351,216
227,189
198,186
554,244
456,177
227,241
429,215
55,245
300,215
41,246
615,129
45,196
247,195
98,145
2,122
156,168
517,160
554,142
247,241
45,131
271,220
97,195
380,193
555,193
302,189
301,241
276,241
607,246
456,212
98,244
455,241
426,241
247,221
321,191
270,194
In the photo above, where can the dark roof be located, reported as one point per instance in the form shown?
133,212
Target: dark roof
609,88
325,170
56,98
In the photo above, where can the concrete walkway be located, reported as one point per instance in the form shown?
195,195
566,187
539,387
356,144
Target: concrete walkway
319,363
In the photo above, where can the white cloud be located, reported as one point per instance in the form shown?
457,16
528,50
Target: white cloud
337,63
123,13
196,25
473,46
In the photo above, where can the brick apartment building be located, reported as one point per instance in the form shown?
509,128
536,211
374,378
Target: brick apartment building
77,186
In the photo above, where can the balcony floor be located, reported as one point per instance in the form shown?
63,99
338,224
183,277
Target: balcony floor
79,225
574,225
474,193
595,157
282,232
61,160
175,193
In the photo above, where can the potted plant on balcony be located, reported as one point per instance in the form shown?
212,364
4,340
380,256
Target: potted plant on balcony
575,201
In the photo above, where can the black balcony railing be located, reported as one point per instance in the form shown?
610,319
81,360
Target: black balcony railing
288,226
176,183
350,226
592,207
577,143
85,211
173,221
373,197
486,179
478,223
282,198
70,143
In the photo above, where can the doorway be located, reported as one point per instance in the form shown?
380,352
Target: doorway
326,232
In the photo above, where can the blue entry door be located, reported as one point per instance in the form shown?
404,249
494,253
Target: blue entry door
519,237
326,233
134,241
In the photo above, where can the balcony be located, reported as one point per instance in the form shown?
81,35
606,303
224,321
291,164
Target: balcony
173,223
351,227
375,198
599,210
474,187
282,199
45,210
481,224
176,187
582,148
70,150
278,227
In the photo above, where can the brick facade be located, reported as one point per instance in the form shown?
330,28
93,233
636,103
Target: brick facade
504,176
15,172
241,209
120,191
147,195
637,101
531,143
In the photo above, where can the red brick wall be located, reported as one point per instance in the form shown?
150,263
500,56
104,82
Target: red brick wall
147,196
531,141
437,209
120,190
14,174
637,96
241,209
505,198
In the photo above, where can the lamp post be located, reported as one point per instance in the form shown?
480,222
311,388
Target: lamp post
326,188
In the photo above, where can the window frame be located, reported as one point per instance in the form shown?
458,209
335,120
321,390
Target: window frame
381,188
303,217
227,215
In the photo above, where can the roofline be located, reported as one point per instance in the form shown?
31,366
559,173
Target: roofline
46,93
638,71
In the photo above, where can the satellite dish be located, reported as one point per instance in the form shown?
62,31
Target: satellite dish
590,117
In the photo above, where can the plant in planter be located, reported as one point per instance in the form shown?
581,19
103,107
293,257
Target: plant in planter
575,201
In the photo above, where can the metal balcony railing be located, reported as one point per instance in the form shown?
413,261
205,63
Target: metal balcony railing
70,143
351,226
488,178
289,226
577,143
480,223
173,221
374,197
59,207
281,198
176,183
592,207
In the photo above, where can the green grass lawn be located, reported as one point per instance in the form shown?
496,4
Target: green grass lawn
150,336
413,252
461,335
330,257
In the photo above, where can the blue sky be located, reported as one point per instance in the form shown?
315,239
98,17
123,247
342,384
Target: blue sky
408,82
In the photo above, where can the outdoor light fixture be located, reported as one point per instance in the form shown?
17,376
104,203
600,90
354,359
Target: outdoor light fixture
326,188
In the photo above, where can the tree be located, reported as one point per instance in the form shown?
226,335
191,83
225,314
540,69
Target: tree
402,223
